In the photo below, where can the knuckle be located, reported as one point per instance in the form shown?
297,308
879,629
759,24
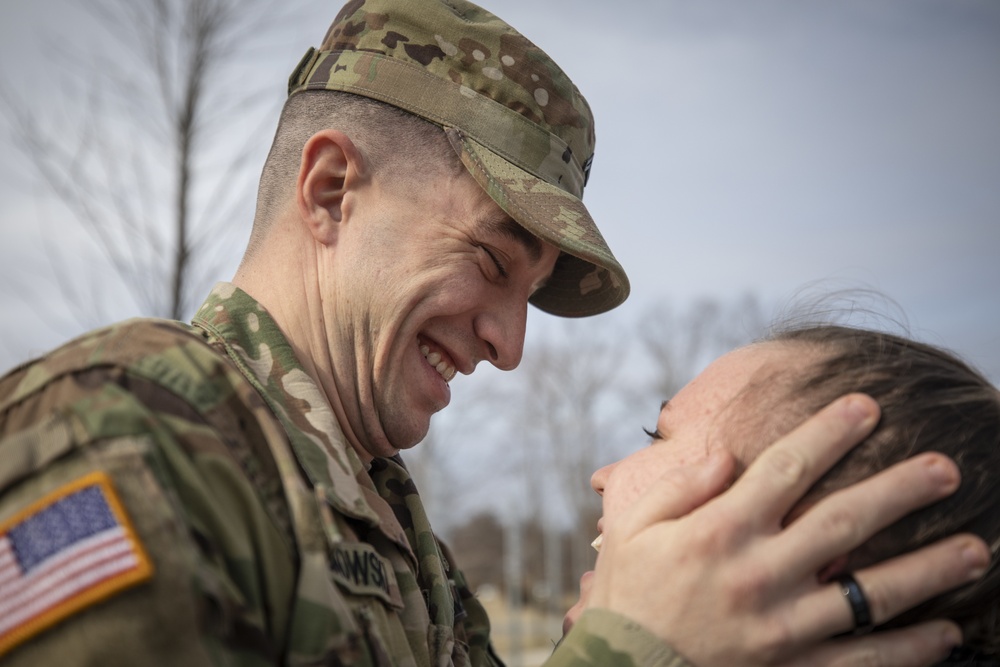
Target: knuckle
773,641
750,587
714,535
842,524
789,466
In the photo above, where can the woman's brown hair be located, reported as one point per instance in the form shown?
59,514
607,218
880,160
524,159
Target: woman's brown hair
931,401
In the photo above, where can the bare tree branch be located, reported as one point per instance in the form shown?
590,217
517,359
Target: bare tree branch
679,345
129,167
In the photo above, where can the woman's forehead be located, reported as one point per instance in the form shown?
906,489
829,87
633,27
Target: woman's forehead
715,390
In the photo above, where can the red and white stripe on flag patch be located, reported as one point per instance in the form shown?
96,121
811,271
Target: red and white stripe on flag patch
68,551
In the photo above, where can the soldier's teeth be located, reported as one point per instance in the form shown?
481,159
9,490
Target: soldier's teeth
434,359
598,542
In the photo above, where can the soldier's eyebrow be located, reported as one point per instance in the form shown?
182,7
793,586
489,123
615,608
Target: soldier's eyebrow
506,227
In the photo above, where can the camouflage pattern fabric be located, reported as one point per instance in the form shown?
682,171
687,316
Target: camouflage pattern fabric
521,127
270,542
600,637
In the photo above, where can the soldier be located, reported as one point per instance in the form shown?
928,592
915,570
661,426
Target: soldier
229,492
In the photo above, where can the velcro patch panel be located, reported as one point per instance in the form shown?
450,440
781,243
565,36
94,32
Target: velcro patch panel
66,552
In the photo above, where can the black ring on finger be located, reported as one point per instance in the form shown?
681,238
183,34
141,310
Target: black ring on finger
858,602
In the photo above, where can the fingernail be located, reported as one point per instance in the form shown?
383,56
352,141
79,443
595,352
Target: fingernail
952,636
860,410
944,472
976,560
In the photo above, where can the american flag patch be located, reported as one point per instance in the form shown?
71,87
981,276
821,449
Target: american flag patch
68,551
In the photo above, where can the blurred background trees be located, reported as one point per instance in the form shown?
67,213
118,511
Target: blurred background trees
133,153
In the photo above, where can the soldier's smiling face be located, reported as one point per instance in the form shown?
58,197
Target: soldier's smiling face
440,279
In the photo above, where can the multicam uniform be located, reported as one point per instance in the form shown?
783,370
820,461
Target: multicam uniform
233,523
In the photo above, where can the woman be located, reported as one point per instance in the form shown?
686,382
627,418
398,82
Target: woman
930,401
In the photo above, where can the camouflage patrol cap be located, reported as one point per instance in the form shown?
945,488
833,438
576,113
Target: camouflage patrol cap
521,127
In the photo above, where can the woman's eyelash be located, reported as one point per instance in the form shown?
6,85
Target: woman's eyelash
500,267
654,434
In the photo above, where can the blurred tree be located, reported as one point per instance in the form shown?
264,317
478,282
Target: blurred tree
561,411
478,545
449,482
678,345
142,156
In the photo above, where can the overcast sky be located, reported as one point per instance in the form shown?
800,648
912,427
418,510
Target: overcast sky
742,146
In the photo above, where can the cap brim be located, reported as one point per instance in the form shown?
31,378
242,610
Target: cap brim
587,279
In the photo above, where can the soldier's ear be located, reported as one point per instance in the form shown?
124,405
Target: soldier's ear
330,174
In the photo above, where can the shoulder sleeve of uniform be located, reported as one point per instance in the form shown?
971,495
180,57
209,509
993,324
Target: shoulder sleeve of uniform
602,638
95,440
172,352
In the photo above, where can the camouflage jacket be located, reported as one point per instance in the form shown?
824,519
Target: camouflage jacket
183,495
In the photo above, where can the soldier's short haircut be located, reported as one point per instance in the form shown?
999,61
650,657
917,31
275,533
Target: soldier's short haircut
930,401
388,138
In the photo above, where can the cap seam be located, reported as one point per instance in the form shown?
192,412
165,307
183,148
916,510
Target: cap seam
525,212
529,126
